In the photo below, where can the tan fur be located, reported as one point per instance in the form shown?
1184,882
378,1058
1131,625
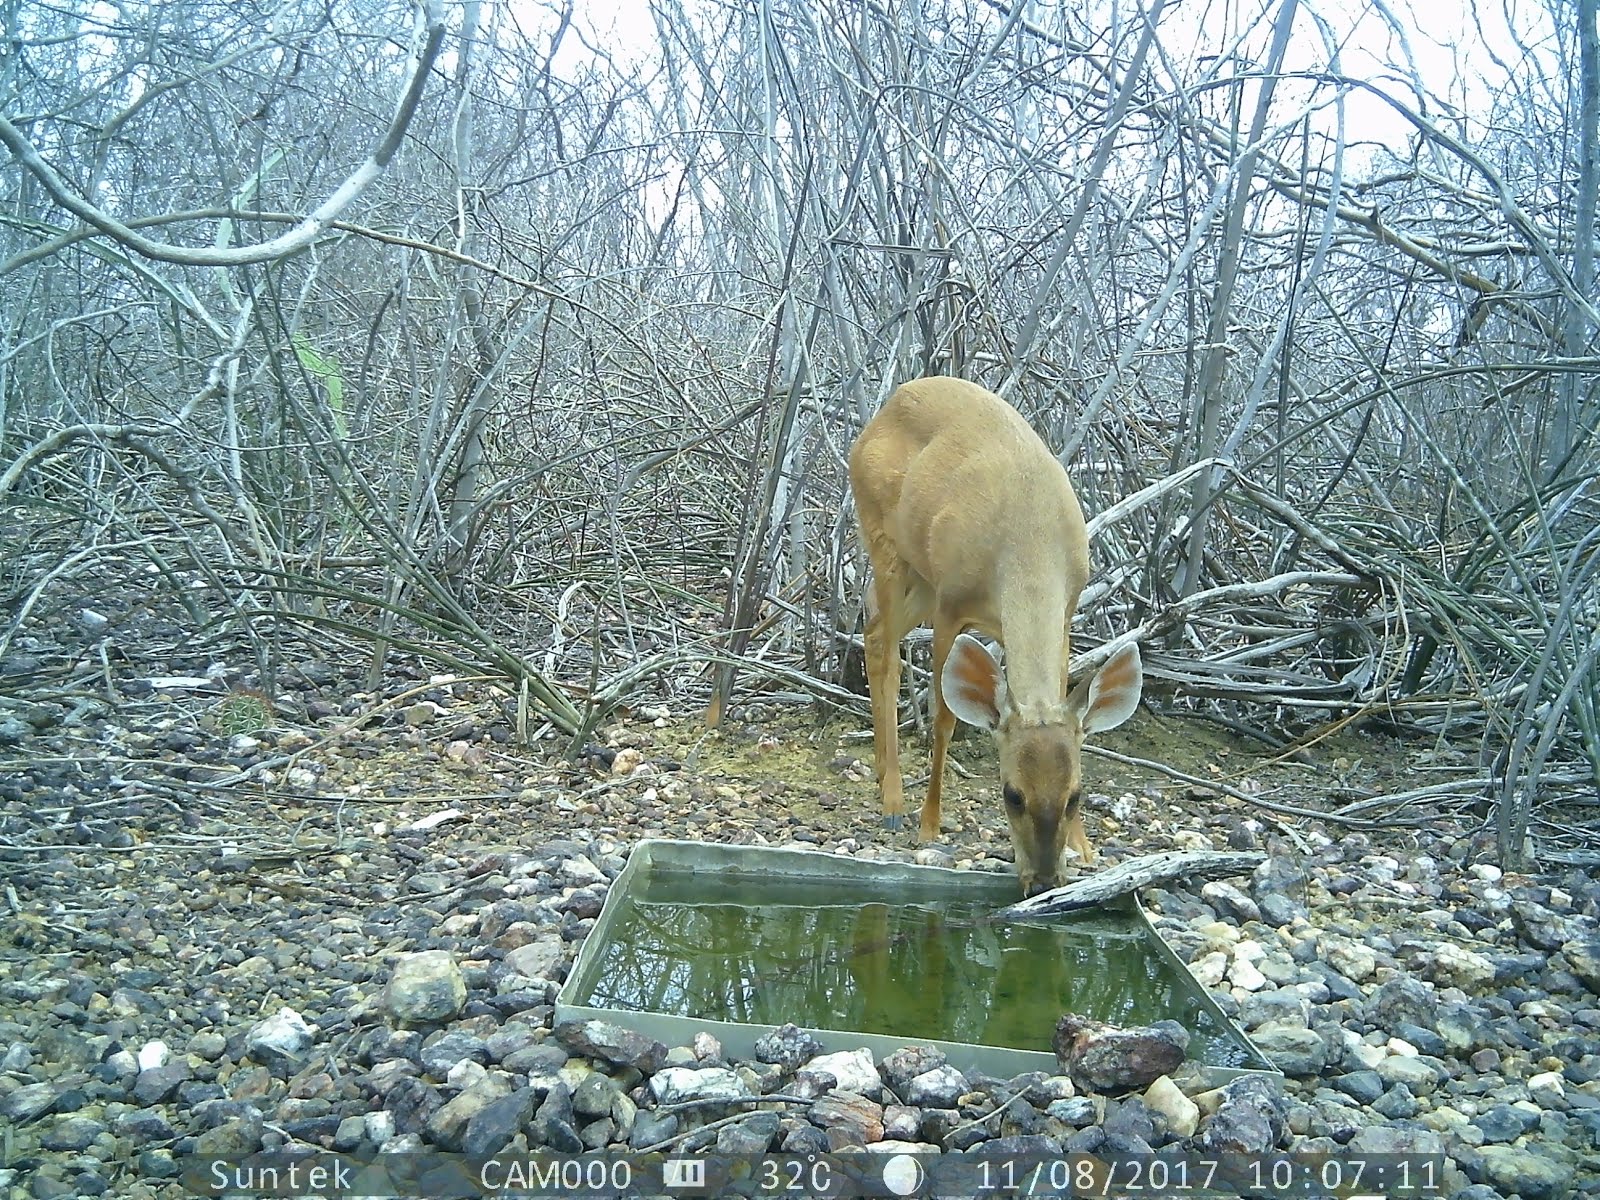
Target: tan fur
971,524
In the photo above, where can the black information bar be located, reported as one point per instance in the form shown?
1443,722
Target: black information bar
429,1176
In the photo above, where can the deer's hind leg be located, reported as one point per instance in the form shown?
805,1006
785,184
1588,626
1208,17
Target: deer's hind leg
898,604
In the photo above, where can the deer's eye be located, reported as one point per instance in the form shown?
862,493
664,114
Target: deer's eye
1013,798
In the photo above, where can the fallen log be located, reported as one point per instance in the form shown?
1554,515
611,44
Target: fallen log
1133,874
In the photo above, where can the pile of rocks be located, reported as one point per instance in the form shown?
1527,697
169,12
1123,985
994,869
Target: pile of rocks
1468,1027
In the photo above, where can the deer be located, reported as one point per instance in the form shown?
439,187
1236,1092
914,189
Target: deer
971,525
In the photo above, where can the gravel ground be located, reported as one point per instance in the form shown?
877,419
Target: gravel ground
220,943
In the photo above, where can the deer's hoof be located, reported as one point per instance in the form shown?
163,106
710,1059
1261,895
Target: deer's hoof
893,821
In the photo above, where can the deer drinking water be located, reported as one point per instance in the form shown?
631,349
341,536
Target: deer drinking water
971,524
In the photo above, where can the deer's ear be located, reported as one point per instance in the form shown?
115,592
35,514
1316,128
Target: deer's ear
1109,698
971,683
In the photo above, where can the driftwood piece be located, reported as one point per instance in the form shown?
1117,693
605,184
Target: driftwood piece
1136,873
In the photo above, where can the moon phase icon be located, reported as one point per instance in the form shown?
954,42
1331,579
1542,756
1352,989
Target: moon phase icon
903,1174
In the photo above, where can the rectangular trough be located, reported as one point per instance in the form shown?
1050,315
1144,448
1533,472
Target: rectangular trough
736,940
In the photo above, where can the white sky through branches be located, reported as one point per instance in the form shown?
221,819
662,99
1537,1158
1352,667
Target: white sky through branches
1447,60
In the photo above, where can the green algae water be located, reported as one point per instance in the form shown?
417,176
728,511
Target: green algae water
905,960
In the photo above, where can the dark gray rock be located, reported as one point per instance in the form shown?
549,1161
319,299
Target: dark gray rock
1022,1147
442,1052
159,1084
72,1098
143,1126
313,1131
594,1096
540,1062
511,1038
788,1046
1539,927
650,1129
1361,1086
1280,1004
30,1102
1230,902
350,1133
384,1044
91,1183
1333,1122
1296,1050
939,1088
1485,1060
156,1163
496,1123
554,1123
412,1103
193,1092
966,1137
1463,1029
938,1123
448,1123
1021,1120
1583,960
1526,1173
805,1139
1128,1125
1505,1123
1340,987
1402,1000
1085,1141
72,1133
530,1003
1040,1089
749,1138
613,1044
231,1139
1077,1111
212,1113
1426,1040
1398,1104
1279,887
903,1065
596,1135
1179,906
1251,1119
